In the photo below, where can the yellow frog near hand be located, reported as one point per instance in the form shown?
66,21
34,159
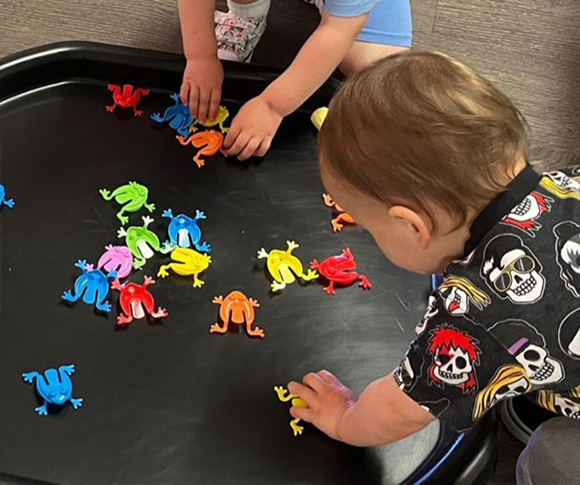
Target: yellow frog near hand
220,119
188,262
284,395
283,265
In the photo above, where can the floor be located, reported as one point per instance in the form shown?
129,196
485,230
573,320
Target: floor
529,48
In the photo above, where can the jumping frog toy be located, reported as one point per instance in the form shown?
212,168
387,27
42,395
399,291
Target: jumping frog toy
136,301
237,308
54,387
188,262
3,200
220,119
283,265
341,216
117,258
284,395
126,97
133,195
141,241
209,141
178,116
184,232
92,285
339,269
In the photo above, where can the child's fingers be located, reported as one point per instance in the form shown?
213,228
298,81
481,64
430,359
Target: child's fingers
214,103
314,381
184,92
328,377
240,143
232,136
263,148
204,99
249,149
302,413
194,101
302,391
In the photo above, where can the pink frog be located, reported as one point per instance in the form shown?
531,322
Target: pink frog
116,258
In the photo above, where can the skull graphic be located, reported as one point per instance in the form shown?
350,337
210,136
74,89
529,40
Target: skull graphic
512,271
569,334
562,180
562,186
429,313
407,373
514,389
524,215
568,254
528,347
566,406
456,301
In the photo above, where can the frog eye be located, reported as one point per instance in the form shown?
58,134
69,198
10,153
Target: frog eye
62,390
142,190
52,393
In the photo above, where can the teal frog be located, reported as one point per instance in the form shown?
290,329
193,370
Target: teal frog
141,241
132,196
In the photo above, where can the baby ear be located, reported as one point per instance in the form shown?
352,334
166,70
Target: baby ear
418,223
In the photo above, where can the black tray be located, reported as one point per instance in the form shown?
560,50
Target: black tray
172,404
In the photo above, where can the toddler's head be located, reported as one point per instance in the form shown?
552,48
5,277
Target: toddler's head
413,147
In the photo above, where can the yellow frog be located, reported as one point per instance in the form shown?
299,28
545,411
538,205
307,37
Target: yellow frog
283,265
188,262
220,119
296,402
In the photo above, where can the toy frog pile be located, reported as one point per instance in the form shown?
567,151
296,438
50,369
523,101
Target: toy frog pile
183,251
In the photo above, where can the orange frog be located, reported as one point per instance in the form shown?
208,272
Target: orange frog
342,216
209,141
237,308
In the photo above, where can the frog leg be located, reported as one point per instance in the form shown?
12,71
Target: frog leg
121,217
78,292
254,332
124,319
67,369
150,207
223,129
205,247
167,247
162,273
41,410
336,225
329,290
364,282
101,302
30,376
76,403
139,262
291,246
200,162
277,286
283,394
328,202
182,140
310,275
216,328
197,283
294,425
9,203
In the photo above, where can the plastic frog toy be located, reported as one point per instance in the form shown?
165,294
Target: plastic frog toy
92,285
133,196
339,269
209,141
283,265
237,308
136,301
54,387
141,241
341,217
187,263
220,119
3,200
177,115
117,258
284,395
126,97
184,232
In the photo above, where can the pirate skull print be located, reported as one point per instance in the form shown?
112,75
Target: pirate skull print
528,347
525,215
429,313
458,292
512,271
569,334
455,355
568,254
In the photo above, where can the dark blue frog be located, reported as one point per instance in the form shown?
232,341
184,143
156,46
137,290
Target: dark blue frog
54,387
92,285
184,232
178,116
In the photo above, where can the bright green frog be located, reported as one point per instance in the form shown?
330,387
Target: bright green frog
133,196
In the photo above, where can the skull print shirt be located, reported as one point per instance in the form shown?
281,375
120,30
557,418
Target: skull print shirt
506,319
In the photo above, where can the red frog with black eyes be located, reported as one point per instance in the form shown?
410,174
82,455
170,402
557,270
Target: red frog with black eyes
126,97
136,301
339,269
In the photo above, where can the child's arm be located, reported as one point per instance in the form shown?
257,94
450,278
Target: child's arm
383,413
203,76
254,127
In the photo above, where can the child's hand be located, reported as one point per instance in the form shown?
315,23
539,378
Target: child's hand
202,87
327,398
252,129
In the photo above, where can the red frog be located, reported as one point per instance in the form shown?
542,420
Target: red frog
342,216
338,269
209,141
136,301
126,97
237,308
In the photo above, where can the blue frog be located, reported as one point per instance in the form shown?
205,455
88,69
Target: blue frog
3,200
54,387
92,285
178,116
184,232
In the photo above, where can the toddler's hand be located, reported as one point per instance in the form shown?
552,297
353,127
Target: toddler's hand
252,129
202,87
327,398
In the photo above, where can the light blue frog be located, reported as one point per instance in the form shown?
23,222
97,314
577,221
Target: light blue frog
184,232
178,116
54,387
3,200
92,285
